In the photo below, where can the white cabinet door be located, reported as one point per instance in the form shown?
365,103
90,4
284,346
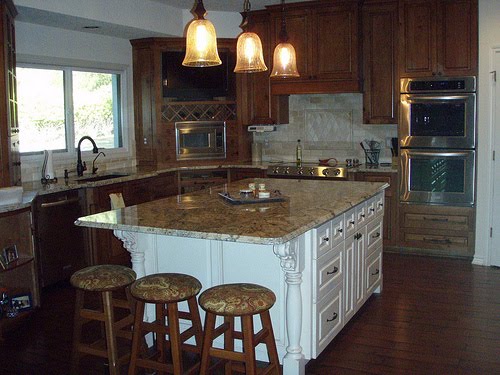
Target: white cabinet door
360,253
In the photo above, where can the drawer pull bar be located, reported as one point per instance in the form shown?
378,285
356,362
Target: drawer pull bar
335,269
357,236
435,240
376,235
59,203
335,316
441,220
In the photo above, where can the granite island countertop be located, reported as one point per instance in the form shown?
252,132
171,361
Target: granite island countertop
205,215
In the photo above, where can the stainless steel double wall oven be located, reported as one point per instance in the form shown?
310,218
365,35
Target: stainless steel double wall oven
438,141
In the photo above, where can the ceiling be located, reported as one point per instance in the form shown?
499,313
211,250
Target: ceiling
223,5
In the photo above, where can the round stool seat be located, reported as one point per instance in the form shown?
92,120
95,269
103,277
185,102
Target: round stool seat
165,287
237,299
101,278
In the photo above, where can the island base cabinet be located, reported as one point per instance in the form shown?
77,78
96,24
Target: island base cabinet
320,278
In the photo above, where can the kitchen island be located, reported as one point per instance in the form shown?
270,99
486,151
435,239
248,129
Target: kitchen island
319,250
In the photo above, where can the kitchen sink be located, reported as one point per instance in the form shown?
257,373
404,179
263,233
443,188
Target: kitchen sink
102,177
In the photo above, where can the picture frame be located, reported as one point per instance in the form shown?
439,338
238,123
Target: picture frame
3,262
21,302
10,254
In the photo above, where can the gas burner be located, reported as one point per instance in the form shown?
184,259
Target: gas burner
306,171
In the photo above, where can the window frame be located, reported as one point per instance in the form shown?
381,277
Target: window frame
69,125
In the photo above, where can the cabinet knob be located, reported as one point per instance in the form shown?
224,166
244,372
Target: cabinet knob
376,235
340,230
377,271
325,239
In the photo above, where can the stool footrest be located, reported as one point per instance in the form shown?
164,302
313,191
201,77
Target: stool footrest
229,355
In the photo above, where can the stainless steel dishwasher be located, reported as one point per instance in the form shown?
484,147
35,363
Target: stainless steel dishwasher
59,242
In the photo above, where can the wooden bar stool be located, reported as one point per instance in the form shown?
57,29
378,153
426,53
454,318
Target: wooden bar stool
103,279
166,290
244,301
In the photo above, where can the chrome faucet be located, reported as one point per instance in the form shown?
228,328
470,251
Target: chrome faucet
94,168
80,167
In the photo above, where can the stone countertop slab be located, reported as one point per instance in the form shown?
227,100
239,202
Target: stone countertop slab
205,215
28,197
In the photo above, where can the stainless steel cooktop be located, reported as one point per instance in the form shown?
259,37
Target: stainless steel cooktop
309,171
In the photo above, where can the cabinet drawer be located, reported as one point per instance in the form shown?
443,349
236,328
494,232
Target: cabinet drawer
329,320
421,220
373,271
361,215
327,236
371,209
433,240
374,236
329,272
379,204
350,223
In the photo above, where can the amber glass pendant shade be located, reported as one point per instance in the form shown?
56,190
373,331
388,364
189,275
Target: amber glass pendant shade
284,61
201,41
249,55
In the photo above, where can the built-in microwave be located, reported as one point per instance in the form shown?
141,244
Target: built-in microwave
200,140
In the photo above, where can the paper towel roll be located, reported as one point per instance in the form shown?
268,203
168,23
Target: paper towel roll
49,165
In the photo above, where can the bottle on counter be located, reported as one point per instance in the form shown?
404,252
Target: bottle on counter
298,153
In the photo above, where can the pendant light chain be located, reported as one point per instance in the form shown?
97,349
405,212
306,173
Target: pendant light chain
283,34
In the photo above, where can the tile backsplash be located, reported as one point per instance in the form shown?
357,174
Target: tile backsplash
327,126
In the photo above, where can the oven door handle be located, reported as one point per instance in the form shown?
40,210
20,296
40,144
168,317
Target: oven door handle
432,154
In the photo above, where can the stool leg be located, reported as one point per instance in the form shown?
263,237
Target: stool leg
136,337
196,322
248,344
207,343
175,337
110,333
161,344
229,343
77,331
270,341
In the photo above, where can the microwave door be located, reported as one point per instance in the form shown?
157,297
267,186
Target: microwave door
439,121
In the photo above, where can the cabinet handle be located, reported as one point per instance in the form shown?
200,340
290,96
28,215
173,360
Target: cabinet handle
351,222
377,271
376,235
335,316
381,205
439,220
339,230
372,209
435,240
325,239
59,203
335,270
358,236
362,215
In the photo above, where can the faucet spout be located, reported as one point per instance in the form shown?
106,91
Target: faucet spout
94,168
79,165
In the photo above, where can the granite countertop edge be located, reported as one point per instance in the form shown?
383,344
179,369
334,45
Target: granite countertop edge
320,218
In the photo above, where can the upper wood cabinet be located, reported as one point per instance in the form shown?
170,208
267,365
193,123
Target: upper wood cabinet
10,160
380,62
325,36
438,37
262,107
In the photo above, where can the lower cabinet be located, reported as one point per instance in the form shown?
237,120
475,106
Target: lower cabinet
346,268
105,248
236,174
437,230
391,220
19,277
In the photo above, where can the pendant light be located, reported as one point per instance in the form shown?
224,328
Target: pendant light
201,41
284,60
249,55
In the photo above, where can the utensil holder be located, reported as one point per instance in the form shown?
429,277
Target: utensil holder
371,157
